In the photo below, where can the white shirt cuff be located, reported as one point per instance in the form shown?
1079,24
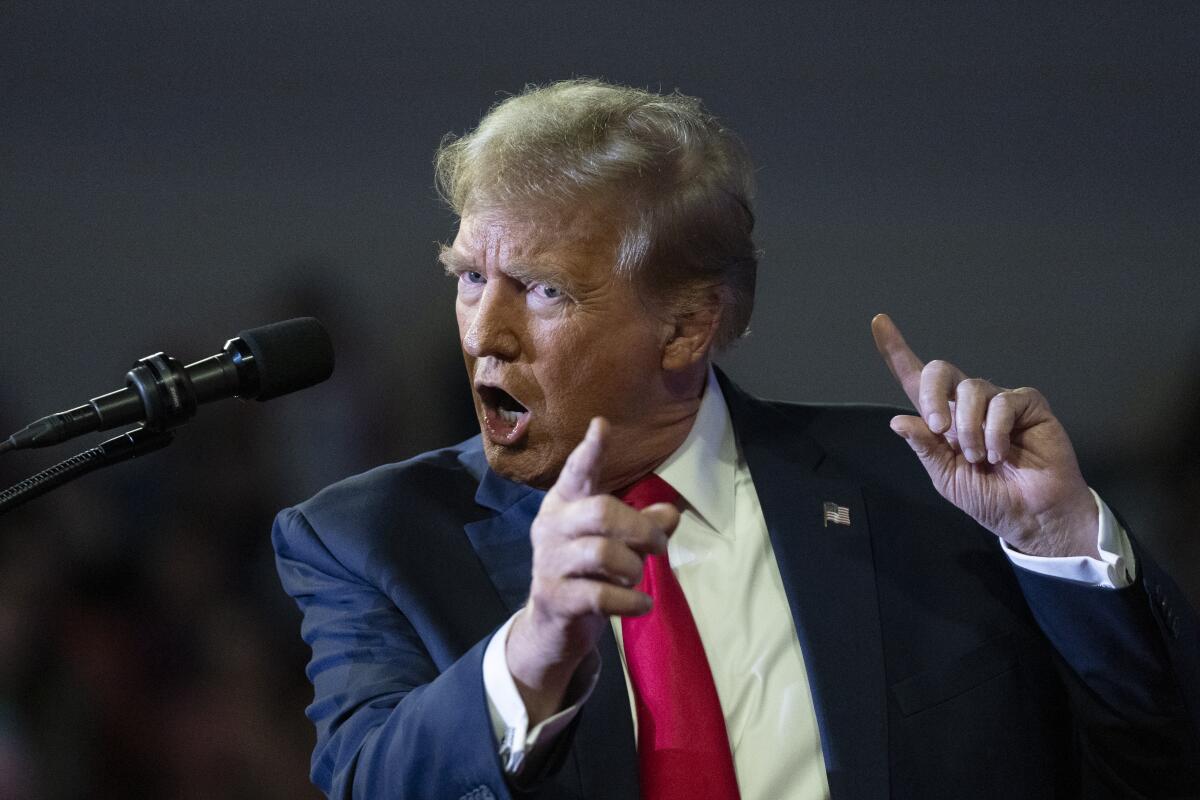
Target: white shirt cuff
1115,569
520,746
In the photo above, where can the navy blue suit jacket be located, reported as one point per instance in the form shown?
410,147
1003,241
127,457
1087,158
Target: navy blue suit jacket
932,677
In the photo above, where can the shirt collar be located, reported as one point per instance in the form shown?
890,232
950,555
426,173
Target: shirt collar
703,469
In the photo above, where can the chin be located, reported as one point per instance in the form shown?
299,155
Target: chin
522,464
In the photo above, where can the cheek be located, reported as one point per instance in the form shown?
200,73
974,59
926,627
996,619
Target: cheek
565,370
601,374
568,353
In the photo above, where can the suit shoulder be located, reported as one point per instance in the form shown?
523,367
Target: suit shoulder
448,469
431,491
858,442
836,416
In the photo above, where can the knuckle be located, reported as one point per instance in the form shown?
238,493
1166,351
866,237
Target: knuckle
1035,398
936,370
1032,393
610,514
593,598
934,367
600,551
543,592
999,413
601,506
596,512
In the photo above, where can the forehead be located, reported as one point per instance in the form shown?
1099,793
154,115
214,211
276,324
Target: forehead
498,238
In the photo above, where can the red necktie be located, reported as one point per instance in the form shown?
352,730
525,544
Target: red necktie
683,749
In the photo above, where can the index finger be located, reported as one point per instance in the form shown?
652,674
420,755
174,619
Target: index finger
901,360
580,475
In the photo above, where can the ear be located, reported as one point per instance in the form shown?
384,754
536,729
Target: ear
691,338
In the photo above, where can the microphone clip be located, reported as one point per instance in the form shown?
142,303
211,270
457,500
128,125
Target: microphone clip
167,394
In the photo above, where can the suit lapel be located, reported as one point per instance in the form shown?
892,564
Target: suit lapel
502,542
829,577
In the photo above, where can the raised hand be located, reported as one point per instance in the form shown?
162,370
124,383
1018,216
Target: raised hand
998,454
588,550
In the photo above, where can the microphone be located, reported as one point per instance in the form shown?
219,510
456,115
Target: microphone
259,364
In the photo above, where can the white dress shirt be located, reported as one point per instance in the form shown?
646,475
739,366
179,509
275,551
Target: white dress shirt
721,554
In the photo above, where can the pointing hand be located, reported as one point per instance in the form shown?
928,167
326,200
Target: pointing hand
998,454
588,550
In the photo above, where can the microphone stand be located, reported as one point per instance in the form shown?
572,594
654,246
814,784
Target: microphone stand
130,444
163,395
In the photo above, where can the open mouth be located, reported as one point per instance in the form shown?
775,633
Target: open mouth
504,417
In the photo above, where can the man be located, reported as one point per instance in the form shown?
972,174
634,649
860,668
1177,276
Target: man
778,604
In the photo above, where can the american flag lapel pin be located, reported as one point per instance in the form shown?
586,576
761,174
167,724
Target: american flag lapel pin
838,515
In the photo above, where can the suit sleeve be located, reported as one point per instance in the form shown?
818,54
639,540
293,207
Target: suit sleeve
389,723
1131,662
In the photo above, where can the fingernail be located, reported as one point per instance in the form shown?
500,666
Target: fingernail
972,454
937,423
895,426
993,457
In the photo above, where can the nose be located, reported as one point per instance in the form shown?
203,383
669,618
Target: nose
491,326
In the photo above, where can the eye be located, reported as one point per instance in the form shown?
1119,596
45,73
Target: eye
546,291
471,277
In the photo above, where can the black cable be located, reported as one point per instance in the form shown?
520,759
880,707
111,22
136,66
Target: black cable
130,444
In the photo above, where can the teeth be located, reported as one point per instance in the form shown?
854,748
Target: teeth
509,416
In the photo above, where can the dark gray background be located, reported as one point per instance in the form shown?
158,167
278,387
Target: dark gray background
1015,183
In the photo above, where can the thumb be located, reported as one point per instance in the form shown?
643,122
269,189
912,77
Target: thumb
580,475
664,516
933,450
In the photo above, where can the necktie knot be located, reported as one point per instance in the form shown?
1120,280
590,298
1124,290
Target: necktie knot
647,491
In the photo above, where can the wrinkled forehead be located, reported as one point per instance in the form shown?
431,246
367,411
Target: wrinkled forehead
500,235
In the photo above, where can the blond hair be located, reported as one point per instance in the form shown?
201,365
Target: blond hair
679,182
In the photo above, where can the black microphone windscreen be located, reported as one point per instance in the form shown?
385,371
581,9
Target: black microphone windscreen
289,355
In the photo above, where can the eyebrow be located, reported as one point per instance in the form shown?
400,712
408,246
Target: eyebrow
454,263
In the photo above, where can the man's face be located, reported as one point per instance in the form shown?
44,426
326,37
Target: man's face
551,338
